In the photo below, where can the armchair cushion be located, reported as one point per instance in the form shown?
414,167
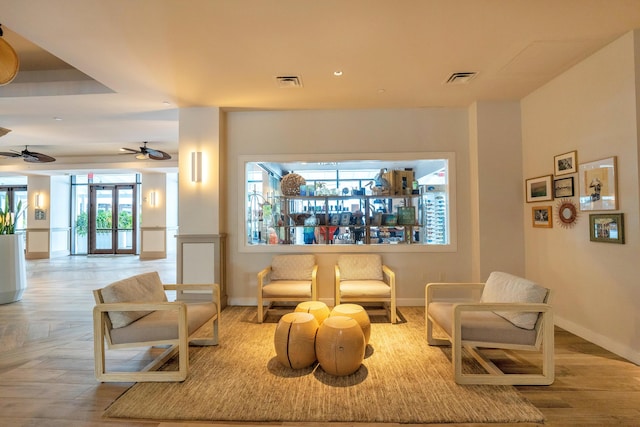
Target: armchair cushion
163,324
364,289
146,287
292,267
481,326
360,267
505,287
287,289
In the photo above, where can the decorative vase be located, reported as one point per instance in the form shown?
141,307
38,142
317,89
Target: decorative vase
13,276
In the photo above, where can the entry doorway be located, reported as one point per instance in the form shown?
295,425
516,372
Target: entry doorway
112,219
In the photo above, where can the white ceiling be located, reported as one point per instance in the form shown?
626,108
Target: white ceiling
113,65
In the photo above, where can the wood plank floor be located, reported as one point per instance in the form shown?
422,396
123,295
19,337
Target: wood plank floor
46,357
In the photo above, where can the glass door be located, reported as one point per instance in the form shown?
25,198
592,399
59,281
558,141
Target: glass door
112,219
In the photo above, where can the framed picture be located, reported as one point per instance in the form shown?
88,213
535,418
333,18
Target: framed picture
539,189
566,163
598,188
607,228
563,187
40,214
541,216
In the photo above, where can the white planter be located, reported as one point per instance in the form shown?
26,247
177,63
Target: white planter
13,276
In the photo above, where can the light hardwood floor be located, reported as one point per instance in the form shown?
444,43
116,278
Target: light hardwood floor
46,357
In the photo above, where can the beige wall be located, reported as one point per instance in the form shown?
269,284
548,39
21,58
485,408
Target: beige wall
374,131
592,108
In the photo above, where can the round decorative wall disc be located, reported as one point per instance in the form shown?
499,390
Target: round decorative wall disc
9,63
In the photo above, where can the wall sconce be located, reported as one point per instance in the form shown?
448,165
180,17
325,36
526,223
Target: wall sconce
152,199
39,201
196,166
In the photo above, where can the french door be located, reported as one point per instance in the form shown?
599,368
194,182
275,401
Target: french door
112,219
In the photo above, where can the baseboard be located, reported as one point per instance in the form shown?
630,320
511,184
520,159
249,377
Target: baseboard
598,339
402,302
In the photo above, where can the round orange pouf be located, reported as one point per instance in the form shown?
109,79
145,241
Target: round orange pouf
340,345
319,310
294,340
356,312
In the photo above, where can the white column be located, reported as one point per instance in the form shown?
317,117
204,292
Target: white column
200,243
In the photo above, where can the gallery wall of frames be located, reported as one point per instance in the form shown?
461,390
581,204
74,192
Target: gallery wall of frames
589,187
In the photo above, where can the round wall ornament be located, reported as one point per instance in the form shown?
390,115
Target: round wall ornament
290,184
567,213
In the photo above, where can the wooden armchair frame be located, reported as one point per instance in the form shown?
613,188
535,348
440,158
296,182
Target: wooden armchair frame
263,278
389,277
544,342
180,345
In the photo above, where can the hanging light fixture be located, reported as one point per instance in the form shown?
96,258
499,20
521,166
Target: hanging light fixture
9,61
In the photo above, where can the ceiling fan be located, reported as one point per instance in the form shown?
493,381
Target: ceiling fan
145,153
29,156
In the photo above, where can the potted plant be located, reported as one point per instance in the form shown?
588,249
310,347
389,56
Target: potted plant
13,278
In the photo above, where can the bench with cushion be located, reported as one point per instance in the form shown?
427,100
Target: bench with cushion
511,313
135,312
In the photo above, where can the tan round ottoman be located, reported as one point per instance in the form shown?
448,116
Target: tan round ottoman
356,312
294,340
319,310
340,345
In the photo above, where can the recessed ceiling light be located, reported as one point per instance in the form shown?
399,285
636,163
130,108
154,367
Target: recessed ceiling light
58,119
381,91
167,103
337,73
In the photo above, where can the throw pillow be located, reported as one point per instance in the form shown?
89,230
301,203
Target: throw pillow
145,287
505,287
360,267
292,267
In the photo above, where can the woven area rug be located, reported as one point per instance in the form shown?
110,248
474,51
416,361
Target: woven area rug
402,380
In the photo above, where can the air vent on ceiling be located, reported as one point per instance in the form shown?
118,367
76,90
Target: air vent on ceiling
4,131
288,81
461,77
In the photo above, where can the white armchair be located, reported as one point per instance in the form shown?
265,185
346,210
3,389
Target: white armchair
288,278
507,312
363,278
135,312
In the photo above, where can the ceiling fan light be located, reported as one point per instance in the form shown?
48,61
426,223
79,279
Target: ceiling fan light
142,156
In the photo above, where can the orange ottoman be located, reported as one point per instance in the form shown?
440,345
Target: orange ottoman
294,340
356,312
319,309
340,345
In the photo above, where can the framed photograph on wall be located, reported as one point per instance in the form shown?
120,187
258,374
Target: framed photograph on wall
541,216
563,187
608,228
539,189
566,163
598,185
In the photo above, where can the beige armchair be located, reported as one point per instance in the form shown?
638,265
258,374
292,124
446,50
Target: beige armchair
135,312
507,312
288,278
363,278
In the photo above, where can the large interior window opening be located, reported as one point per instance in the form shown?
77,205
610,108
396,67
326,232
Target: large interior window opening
376,203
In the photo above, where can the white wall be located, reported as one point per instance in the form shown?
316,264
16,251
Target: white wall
496,188
592,108
371,131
